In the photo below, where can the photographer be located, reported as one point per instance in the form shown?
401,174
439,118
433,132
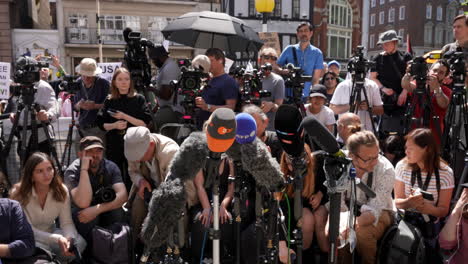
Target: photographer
423,172
96,188
90,98
272,83
374,215
169,111
221,91
48,112
439,94
340,101
304,55
390,66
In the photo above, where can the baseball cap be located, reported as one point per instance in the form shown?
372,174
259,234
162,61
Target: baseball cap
90,142
334,62
136,142
318,90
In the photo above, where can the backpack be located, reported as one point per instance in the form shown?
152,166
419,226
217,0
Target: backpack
402,243
112,245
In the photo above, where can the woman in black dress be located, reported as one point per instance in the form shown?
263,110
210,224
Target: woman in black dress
122,109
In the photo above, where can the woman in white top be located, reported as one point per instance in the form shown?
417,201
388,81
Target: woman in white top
45,198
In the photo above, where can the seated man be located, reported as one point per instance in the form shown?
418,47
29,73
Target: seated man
16,236
86,177
148,158
374,215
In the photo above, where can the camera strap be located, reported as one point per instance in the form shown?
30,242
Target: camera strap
296,63
416,175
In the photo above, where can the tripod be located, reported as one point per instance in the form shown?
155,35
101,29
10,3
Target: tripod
421,99
26,104
66,155
355,98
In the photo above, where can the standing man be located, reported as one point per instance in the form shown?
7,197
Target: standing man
460,33
222,91
390,66
90,99
272,83
304,55
169,111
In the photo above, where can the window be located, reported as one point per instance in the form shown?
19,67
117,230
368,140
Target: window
371,41
373,3
439,13
381,17
439,35
429,11
78,32
112,27
155,25
451,12
391,15
340,29
78,20
402,12
252,10
428,34
401,34
391,1
372,20
296,8
382,2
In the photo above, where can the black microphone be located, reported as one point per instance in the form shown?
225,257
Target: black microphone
289,130
320,135
125,33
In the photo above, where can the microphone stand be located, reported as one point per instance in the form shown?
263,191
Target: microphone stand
300,169
212,179
258,221
237,203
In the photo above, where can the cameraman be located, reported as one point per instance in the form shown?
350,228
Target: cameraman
90,98
48,112
390,66
221,91
169,111
86,177
439,94
272,83
304,55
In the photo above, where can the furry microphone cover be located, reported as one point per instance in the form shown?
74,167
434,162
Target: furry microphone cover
168,200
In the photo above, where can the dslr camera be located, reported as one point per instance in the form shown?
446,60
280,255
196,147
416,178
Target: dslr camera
104,195
418,69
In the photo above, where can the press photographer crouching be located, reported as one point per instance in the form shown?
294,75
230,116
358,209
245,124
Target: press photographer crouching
37,96
423,187
96,188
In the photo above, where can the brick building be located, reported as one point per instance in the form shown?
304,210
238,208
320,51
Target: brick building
428,23
5,31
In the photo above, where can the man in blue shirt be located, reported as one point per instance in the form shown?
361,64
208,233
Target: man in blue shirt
16,237
222,90
308,57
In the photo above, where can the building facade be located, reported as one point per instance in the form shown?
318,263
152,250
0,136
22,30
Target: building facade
5,32
337,22
427,23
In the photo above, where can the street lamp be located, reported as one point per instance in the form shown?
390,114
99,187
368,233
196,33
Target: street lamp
264,7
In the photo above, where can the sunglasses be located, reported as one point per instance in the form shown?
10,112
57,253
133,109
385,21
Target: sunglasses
268,57
367,160
329,79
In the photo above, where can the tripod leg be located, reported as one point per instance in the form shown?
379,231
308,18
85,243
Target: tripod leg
23,138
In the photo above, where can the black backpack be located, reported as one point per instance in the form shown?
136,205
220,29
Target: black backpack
402,243
112,245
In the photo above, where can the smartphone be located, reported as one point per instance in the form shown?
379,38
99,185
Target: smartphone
427,195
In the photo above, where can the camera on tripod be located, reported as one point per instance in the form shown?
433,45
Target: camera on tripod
70,84
252,92
135,58
358,65
104,195
28,70
419,69
457,68
295,79
189,85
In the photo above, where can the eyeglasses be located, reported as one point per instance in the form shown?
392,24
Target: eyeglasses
367,160
329,79
269,57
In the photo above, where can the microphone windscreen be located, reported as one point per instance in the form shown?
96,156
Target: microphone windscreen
320,135
246,128
125,33
221,130
289,130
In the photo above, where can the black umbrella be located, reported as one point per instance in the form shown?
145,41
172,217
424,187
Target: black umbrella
213,30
